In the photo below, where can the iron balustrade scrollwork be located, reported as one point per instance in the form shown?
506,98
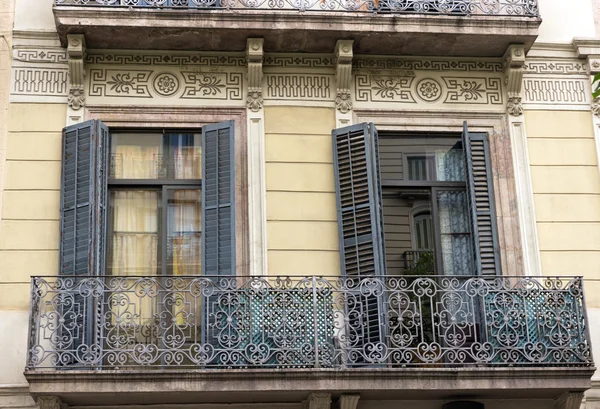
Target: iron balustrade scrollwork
115,322
525,8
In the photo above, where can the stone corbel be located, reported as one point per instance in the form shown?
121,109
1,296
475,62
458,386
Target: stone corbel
570,400
589,49
76,54
514,69
343,75
319,401
254,55
50,402
348,401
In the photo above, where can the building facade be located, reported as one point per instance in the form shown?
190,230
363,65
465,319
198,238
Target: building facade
284,204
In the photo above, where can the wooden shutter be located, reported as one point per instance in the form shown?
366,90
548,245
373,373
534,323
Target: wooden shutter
481,202
82,233
83,199
218,199
360,223
359,202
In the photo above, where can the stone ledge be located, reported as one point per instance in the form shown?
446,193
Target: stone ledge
291,385
293,31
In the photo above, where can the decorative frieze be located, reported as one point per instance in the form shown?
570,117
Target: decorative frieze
40,56
168,59
39,81
555,91
408,88
298,86
126,83
555,67
427,64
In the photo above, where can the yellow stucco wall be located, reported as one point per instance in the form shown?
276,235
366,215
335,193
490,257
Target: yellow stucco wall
566,188
29,231
302,232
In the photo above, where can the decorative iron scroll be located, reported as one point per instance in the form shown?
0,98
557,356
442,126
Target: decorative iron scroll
527,8
294,322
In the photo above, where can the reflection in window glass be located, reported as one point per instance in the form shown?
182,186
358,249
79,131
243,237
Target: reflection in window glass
186,155
455,231
184,232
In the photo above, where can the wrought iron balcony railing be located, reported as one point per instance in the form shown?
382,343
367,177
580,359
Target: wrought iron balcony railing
525,8
305,322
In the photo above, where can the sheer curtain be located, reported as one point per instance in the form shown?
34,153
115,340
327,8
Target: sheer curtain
455,231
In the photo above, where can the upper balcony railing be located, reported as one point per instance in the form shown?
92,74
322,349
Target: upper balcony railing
523,8
306,322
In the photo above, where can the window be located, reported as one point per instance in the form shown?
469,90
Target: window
153,203
415,204
425,212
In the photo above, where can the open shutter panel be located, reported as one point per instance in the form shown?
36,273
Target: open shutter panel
360,223
481,202
83,199
82,232
358,192
218,199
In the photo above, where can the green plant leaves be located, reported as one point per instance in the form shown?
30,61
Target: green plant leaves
596,86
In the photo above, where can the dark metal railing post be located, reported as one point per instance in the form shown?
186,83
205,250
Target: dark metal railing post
315,323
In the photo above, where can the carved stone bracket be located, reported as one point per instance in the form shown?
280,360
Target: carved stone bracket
50,402
319,401
255,55
343,75
514,69
348,401
571,400
76,54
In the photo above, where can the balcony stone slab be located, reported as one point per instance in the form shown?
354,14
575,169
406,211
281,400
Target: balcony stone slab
292,385
295,31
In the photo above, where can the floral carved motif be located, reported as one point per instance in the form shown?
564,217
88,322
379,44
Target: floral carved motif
514,106
596,107
76,98
429,90
254,102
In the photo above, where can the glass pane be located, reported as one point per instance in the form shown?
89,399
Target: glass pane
135,227
455,230
186,155
408,231
137,156
422,158
184,220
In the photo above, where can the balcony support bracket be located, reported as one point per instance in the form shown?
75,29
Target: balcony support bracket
318,401
570,400
255,55
514,69
76,99
348,401
343,75
50,402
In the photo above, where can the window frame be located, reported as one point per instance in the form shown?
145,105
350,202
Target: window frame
159,185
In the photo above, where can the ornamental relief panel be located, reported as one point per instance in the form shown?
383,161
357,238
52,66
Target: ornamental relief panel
186,85
556,84
428,90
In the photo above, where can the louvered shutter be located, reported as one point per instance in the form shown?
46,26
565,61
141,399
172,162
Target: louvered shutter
360,223
82,223
218,199
481,202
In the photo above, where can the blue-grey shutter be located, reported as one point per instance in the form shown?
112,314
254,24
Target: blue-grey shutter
360,223
359,200
83,199
82,231
481,202
218,199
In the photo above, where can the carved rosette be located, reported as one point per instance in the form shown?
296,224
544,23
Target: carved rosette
343,101
514,106
343,75
254,102
596,107
76,97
